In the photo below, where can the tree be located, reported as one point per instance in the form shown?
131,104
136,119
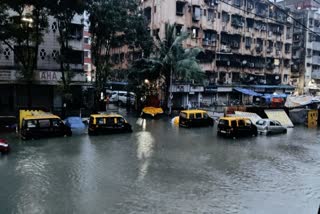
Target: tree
22,23
115,23
171,62
64,12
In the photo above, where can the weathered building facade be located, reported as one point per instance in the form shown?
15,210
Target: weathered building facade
246,43
47,76
306,45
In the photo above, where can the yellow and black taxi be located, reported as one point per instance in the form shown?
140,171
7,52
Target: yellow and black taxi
193,118
236,127
39,124
108,124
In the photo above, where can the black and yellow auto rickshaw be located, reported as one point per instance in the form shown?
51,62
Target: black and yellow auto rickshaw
35,124
108,124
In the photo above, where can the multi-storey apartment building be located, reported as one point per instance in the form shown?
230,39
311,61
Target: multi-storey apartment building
245,42
306,45
47,77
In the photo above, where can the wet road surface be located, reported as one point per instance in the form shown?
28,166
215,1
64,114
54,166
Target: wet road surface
160,168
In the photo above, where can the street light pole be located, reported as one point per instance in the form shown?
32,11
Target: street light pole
170,94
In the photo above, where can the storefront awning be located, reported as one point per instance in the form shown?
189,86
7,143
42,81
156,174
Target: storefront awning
248,92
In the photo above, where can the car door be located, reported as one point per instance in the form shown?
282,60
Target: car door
272,127
279,128
242,129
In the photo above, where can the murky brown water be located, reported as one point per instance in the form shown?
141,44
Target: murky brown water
163,169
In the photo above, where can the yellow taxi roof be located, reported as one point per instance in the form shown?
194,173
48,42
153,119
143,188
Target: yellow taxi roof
234,118
39,117
193,111
105,115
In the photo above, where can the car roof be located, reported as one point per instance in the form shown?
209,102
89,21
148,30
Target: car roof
105,115
193,111
234,118
41,117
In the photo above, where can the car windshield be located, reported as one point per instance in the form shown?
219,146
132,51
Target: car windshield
261,122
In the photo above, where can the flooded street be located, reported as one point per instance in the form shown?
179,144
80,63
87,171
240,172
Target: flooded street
163,169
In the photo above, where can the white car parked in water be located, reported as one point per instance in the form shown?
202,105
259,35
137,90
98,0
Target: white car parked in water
121,97
267,126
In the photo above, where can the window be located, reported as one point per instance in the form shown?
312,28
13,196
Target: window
191,116
210,15
194,33
100,121
31,124
223,122
44,123
120,120
196,13
198,115
205,116
272,123
86,40
87,67
87,54
178,29
179,8
110,121
233,123
241,123
261,122
183,115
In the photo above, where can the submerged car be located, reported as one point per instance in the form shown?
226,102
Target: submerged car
39,124
76,124
267,126
151,112
4,146
193,118
236,127
107,124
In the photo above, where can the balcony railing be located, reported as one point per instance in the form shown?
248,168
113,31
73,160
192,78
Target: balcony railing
315,74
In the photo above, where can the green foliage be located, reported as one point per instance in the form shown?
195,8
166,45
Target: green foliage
115,23
64,12
22,31
170,56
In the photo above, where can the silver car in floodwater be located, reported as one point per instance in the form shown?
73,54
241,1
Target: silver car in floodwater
267,126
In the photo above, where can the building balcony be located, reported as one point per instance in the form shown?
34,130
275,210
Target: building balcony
315,74
316,46
316,60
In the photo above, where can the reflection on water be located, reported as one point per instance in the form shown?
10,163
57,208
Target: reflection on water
145,144
178,171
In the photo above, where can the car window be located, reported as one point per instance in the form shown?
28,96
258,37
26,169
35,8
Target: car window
44,123
91,120
183,115
191,116
100,121
205,116
223,122
241,123
31,123
233,123
272,123
248,122
261,122
120,120
198,115
56,123
110,121
277,123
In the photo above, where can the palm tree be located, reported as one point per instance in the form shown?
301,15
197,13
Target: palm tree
171,61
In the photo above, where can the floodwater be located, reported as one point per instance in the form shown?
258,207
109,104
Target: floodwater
163,169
